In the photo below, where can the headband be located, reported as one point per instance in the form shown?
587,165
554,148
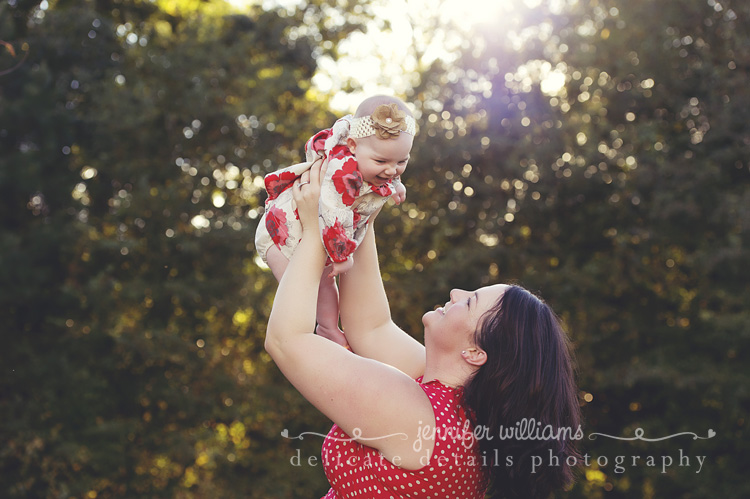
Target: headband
387,122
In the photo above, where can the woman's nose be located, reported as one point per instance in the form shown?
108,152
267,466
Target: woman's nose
455,294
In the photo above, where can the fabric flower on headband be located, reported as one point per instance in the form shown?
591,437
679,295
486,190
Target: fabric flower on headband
386,122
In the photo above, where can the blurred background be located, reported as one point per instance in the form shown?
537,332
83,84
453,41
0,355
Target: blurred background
596,152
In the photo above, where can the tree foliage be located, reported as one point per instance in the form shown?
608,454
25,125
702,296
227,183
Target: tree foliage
621,198
133,140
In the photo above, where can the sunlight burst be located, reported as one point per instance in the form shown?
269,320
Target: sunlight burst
469,13
420,32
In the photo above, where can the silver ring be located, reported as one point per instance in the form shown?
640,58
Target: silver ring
304,183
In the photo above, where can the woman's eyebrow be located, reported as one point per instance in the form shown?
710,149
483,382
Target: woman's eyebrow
476,297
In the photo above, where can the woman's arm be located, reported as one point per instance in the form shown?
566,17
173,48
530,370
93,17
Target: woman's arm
366,315
367,399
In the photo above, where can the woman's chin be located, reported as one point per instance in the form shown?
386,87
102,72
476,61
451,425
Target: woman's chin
430,316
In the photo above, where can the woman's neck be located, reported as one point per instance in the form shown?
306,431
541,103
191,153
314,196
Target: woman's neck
449,371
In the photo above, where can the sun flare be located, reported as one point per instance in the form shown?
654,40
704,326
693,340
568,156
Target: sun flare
378,60
470,13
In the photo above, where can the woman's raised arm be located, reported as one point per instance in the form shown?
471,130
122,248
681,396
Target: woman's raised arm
371,401
366,315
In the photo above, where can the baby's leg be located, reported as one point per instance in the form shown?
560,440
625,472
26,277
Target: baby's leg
328,297
328,310
277,262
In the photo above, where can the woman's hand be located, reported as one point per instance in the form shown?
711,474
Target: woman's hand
306,194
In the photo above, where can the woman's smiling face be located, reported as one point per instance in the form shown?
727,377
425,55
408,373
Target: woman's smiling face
459,318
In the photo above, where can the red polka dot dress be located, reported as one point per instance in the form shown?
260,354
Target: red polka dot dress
453,471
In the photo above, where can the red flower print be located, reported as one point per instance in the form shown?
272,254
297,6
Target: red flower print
276,183
276,226
384,190
340,152
357,217
317,142
348,181
339,246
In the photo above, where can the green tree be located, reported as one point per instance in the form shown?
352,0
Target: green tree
134,139
620,197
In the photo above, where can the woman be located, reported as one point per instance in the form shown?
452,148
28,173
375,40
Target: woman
432,420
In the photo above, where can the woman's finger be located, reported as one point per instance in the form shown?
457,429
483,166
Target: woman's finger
314,173
323,168
304,178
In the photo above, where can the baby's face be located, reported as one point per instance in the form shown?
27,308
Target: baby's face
380,160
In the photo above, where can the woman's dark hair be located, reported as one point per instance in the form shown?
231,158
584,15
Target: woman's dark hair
526,385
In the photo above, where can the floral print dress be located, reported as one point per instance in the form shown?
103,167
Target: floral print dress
346,200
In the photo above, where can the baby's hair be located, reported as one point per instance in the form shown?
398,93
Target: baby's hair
368,105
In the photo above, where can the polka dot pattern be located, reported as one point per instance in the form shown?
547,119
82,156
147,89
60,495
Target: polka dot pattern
453,471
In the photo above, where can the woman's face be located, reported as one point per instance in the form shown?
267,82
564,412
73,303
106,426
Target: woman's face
458,319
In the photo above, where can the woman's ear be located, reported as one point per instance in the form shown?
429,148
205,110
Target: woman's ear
474,356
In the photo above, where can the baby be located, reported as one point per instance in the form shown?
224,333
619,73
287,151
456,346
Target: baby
366,154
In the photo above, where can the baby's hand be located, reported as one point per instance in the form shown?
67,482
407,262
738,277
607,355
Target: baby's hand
339,268
399,196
